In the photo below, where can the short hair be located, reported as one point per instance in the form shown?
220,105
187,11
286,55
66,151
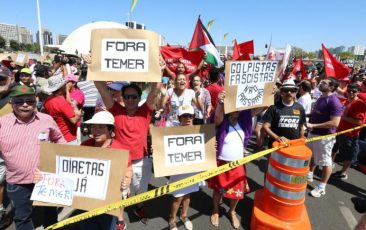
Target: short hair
132,86
214,74
354,86
305,85
333,82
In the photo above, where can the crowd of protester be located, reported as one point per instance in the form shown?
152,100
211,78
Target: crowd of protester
52,101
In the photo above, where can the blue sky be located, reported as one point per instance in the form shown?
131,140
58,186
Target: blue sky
303,23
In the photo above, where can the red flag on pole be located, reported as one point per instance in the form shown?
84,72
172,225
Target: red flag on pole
299,66
333,67
243,50
236,52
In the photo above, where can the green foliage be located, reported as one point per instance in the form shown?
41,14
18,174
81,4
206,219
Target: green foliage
346,55
2,42
14,45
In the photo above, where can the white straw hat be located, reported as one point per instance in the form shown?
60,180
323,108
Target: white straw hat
54,83
102,117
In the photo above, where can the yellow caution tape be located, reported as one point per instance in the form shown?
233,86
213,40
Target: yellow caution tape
163,190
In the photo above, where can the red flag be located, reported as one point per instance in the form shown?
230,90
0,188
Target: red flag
236,52
247,47
243,50
173,56
299,66
333,67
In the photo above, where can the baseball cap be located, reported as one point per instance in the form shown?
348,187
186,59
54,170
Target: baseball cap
26,70
19,90
4,71
185,109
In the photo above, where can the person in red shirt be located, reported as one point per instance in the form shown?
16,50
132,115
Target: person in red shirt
102,132
353,116
132,125
60,109
214,88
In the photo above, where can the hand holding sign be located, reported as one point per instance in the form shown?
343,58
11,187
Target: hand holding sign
53,188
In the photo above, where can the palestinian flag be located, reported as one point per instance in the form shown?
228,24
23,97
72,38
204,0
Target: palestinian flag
202,39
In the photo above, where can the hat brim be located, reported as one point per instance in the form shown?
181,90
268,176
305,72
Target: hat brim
48,89
96,122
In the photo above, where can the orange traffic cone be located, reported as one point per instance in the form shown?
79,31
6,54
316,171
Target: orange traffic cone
280,204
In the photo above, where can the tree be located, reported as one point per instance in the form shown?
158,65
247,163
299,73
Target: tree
346,55
2,42
14,45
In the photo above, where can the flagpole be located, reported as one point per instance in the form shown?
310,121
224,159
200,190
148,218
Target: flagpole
269,47
39,29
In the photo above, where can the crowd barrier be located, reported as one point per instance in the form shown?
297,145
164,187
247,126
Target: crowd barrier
163,190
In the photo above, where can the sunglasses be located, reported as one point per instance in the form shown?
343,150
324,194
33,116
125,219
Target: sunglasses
186,116
289,90
20,102
132,96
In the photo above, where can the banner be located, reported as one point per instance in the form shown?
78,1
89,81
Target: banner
249,84
333,67
53,188
124,55
183,149
173,56
96,172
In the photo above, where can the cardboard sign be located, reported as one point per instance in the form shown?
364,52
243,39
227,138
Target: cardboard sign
53,188
21,59
124,55
183,149
88,163
249,84
90,176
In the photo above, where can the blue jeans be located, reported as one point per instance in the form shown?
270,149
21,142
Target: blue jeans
19,195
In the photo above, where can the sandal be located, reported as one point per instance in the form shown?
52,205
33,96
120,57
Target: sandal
234,220
187,223
215,220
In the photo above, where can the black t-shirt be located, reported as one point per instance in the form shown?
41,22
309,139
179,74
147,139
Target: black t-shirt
285,120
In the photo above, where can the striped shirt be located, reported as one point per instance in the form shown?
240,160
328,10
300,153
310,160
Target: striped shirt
90,91
20,144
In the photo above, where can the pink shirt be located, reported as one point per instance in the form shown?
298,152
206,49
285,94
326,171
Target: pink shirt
20,144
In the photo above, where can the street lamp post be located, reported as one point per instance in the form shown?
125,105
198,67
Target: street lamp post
39,29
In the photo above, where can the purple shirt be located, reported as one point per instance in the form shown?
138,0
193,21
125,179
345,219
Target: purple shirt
245,122
324,108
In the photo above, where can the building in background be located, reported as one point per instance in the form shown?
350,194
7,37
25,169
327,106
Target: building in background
135,25
25,35
46,37
357,50
60,39
339,49
9,32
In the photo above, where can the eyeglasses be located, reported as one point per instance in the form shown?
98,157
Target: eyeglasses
352,91
132,96
284,90
186,116
20,102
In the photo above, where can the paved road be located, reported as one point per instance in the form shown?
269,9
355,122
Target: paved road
333,211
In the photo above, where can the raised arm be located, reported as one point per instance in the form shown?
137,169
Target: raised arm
104,93
219,112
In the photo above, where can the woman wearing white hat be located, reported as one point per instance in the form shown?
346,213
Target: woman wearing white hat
102,127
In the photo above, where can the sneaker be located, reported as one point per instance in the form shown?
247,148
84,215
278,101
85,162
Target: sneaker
120,225
187,223
309,178
172,226
140,213
339,175
317,192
